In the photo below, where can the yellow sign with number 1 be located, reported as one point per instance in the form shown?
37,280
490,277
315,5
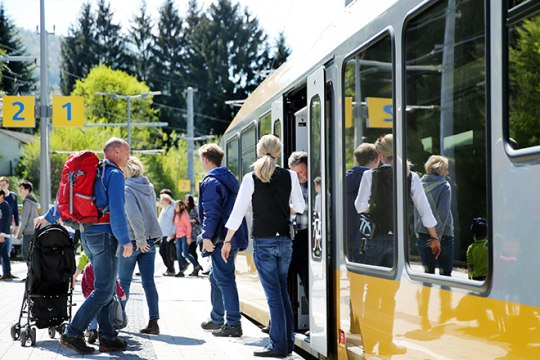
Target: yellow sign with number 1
19,111
68,111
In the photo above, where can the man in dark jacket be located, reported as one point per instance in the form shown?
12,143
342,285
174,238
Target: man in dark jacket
12,201
29,213
5,220
217,194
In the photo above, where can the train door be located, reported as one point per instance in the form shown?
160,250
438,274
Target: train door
318,198
277,122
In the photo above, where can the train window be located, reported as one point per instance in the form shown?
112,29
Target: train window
277,128
248,140
315,175
232,155
265,125
523,26
368,89
445,118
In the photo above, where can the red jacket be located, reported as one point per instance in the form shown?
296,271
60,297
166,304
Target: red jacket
87,282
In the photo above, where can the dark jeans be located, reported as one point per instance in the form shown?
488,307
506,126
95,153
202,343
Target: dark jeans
182,248
146,261
101,249
445,262
300,260
4,255
167,250
379,251
26,243
223,291
272,257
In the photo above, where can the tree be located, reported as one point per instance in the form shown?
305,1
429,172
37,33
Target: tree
16,76
281,53
109,41
77,50
142,42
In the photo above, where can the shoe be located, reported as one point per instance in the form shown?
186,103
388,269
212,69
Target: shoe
77,344
152,328
196,270
169,273
112,345
207,272
266,329
185,266
228,330
180,274
269,353
210,325
92,336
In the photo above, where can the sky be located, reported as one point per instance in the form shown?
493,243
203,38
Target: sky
300,20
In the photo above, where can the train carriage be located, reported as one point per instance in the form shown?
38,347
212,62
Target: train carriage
457,78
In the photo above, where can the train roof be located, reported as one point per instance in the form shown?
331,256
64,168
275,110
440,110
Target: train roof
354,17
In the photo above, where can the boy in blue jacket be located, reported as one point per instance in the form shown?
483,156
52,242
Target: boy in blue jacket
5,220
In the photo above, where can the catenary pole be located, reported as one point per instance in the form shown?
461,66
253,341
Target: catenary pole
45,160
190,138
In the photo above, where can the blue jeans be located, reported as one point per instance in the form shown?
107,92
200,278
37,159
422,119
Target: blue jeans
223,291
179,256
182,248
445,262
92,325
101,249
5,249
272,257
146,261
379,251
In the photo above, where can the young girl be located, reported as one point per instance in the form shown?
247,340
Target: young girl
183,237
195,229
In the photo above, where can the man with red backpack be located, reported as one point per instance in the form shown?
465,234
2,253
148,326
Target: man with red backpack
100,241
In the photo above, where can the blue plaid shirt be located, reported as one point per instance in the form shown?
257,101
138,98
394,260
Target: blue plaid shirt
302,220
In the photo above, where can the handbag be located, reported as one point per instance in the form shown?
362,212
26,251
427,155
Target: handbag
366,227
120,319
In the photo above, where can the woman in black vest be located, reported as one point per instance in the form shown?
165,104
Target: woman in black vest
270,189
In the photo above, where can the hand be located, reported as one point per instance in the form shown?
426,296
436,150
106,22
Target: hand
143,248
225,251
435,245
123,298
2,239
189,241
208,245
128,250
16,231
40,220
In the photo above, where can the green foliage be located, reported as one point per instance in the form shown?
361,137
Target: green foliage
142,42
525,84
281,52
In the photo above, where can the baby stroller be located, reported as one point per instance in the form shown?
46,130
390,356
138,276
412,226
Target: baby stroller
48,291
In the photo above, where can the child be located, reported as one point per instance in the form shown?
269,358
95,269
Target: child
87,284
183,237
477,253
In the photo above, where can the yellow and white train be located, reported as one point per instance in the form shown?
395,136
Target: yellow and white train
453,77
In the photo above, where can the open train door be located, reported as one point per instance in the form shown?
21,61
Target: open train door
318,287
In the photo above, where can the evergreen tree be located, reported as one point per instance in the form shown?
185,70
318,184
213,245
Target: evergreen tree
168,65
77,50
109,41
142,43
282,52
16,76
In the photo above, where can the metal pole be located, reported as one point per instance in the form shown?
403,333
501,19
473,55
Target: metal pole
190,136
129,119
45,160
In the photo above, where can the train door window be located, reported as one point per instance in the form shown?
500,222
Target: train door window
315,175
277,132
265,124
248,138
446,140
232,155
523,77
368,90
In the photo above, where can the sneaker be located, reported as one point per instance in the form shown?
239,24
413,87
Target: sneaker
210,325
112,345
185,266
196,270
169,273
180,274
228,330
77,344
92,336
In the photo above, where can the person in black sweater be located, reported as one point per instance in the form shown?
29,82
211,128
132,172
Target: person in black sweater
5,220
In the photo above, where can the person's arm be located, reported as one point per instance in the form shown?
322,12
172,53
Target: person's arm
120,292
421,204
135,219
361,203
52,216
117,210
444,204
187,226
16,210
296,197
25,218
4,221
212,201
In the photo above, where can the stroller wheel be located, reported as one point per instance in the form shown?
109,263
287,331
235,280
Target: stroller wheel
33,337
15,331
62,328
52,332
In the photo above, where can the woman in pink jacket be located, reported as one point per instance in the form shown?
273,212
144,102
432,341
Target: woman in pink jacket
183,237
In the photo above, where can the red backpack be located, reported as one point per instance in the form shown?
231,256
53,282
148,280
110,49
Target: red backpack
75,199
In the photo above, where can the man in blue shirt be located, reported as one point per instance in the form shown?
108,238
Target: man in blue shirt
100,242
12,201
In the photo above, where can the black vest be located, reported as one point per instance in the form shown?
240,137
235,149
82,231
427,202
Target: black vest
269,205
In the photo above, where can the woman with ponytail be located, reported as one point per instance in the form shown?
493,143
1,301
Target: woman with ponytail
272,191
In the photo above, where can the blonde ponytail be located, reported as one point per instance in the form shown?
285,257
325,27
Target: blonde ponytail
268,150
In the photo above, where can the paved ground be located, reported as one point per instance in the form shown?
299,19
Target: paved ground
184,304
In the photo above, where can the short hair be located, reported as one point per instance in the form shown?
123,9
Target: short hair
365,153
114,143
4,178
134,167
2,193
167,197
435,164
297,158
479,228
212,152
27,185
166,191
317,180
